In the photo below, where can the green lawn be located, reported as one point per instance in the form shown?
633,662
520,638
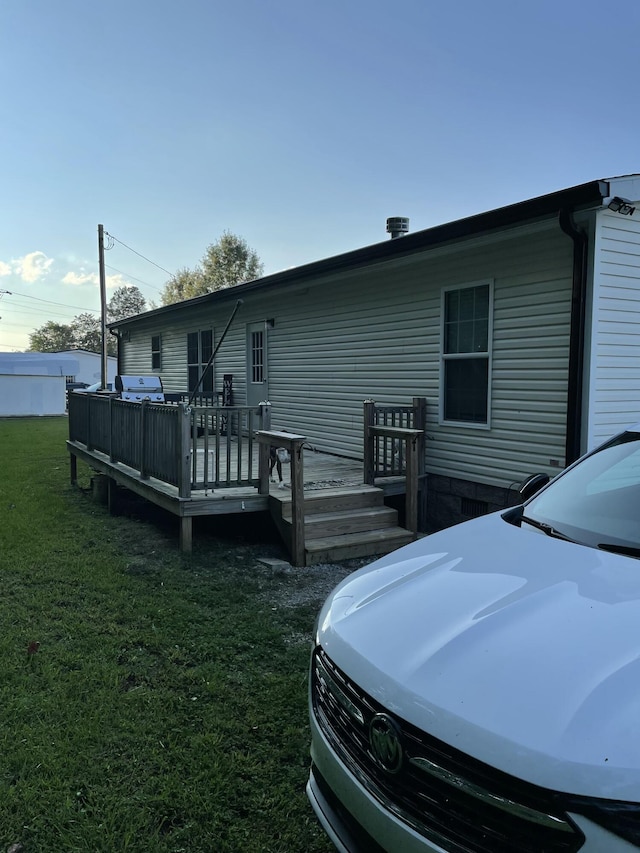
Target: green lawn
165,707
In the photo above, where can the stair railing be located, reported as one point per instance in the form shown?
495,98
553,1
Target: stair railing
293,445
403,430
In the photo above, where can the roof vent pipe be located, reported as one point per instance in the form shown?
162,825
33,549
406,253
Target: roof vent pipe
397,226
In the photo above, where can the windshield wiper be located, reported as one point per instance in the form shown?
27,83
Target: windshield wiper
546,528
625,550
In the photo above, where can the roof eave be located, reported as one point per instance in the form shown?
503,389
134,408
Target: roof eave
581,197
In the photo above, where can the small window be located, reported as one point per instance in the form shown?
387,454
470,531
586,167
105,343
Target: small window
156,352
466,347
257,357
69,379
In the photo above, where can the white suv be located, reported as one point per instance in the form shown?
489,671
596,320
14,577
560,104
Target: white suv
479,690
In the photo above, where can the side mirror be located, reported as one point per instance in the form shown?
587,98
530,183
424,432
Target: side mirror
531,485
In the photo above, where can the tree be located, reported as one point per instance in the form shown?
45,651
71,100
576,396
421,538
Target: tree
87,332
83,332
125,302
226,263
185,284
52,337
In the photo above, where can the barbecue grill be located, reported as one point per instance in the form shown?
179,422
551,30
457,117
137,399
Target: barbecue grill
138,389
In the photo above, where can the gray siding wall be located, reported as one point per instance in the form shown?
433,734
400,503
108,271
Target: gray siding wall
375,333
614,376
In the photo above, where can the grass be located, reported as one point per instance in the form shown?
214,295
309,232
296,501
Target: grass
165,707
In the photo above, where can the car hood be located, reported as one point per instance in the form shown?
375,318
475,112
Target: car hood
519,649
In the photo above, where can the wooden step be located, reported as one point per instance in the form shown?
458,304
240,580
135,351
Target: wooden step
362,544
356,520
332,500
342,523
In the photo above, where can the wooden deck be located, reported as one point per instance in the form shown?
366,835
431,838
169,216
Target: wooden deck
215,461
322,471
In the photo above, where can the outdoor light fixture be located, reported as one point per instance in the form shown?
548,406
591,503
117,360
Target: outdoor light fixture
621,205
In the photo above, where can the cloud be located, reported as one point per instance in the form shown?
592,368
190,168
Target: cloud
32,267
77,279
29,268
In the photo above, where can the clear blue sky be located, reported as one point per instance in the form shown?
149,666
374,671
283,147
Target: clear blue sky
300,126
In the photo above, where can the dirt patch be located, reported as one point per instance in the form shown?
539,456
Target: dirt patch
305,586
236,545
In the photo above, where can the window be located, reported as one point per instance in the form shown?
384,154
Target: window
199,351
156,352
466,346
257,356
69,379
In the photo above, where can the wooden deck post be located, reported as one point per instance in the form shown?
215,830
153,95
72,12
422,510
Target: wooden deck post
411,511
369,443
420,422
184,445
112,496
111,456
143,441
88,412
263,450
186,534
297,503
73,469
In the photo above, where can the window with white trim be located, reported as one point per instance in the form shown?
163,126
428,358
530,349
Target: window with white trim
156,352
466,353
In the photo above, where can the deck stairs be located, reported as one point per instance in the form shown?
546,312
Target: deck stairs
342,523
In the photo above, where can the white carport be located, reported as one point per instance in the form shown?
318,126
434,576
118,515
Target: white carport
34,383
90,366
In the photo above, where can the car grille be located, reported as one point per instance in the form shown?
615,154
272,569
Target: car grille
460,803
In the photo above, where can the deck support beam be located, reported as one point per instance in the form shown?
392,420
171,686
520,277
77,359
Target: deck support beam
186,534
112,496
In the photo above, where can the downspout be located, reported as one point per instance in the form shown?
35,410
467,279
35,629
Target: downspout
116,335
577,335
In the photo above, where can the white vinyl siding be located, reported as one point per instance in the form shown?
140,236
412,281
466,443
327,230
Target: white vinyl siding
375,333
614,374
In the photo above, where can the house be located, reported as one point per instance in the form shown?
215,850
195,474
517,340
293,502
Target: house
90,367
519,325
34,383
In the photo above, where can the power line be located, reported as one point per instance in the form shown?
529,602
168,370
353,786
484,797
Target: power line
139,254
133,278
49,301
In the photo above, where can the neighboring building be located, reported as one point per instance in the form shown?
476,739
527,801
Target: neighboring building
34,383
520,326
90,366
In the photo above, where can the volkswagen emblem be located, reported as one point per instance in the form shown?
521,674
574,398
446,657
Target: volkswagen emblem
384,738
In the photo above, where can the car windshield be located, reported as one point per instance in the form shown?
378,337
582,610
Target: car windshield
597,502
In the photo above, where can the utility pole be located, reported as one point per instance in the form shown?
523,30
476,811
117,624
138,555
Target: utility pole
103,308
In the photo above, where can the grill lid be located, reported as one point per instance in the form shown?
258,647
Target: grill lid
137,388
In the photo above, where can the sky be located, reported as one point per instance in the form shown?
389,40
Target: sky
298,126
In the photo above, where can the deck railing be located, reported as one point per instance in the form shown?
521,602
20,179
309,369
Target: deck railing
190,448
394,446
224,436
